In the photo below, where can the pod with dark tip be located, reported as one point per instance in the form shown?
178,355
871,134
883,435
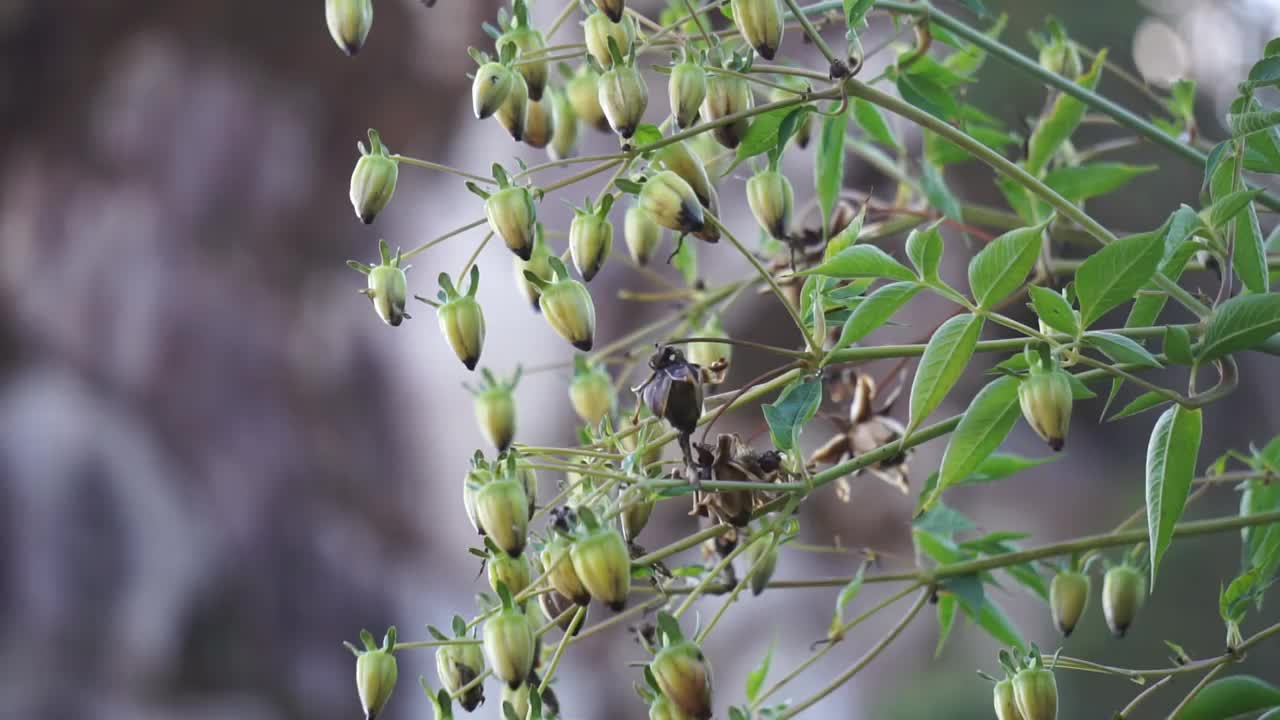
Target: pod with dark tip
686,89
642,234
560,572
502,507
682,672
492,83
511,113
681,160
672,203
376,672
461,319
591,237
727,95
566,305
539,123
527,46
598,30
349,22
602,563
510,213
591,391
1123,591
613,9
509,642
1045,398
583,91
1068,598
495,407
1035,691
771,197
387,288
457,665
624,96
537,265
373,181
760,23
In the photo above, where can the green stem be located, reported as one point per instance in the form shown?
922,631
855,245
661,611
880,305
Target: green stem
578,616
737,589
816,37
442,168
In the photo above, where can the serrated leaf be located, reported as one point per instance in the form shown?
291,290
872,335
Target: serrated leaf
755,678
1240,323
1140,404
1171,466
862,261
1112,275
874,311
872,122
944,359
1003,265
984,425
1061,121
1081,182
794,408
828,167
1121,349
1054,310
1231,697
924,248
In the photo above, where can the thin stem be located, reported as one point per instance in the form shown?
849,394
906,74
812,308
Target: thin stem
452,233
443,168
1144,695
475,254
707,577
816,37
733,595
693,13
578,617
434,643
555,25
766,276
1208,677
794,354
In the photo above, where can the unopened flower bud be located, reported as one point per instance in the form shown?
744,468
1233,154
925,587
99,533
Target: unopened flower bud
560,571
511,113
567,306
591,392
1006,707
597,29
642,234
373,181
490,88
760,22
1035,692
1068,598
512,216
496,409
386,288
509,645
603,565
612,8
536,264
623,98
590,240
771,198
583,92
457,666
1123,591
502,508
686,89
376,672
762,555
510,571
564,142
727,95
681,160
461,320
637,506
539,123
672,203
706,354
528,43
349,22
1045,397
684,676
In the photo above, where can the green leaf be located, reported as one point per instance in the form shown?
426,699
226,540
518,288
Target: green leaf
1081,182
1177,345
872,122
646,134
1229,205
999,466
755,678
928,95
924,248
1140,404
1061,121
943,522
828,168
1250,257
977,7
862,261
875,311
762,136
846,596
947,606
1121,349
1003,265
1213,160
992,619
1230,697
1112,275
1171,466
1239,324
968,590
795,407
939,195
1054,310
944,358
855,12
1247,123
984,425
1265,72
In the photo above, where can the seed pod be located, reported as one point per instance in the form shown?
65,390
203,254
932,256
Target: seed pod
727,95
349,22
509,644
373,181
519,700
705,354
528,478
771,198
1123,591
672,203
713,155
528,42
612,8
679,159
642,234
1068,598
554,605
561,574
710,232
376,672
590,391
583,92
591,238
765,552
567,306
490,88
623,98
510,571
686,89
511,113
1006,706
477,477
1045,397
663,709
461,320
598,29
456,667
536,264
760,22
539,123
496,409
684,676
564,143
637,505
502,507
512,217
1035,692
603,565
386,286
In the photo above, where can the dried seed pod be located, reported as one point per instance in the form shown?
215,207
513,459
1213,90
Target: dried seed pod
686,89
509,643
623,98
536,264
591,237
567,306
1035,692
598,30
564,142
684,676
674,390
1005,706
560,571
489,90
583,91
495,407
528,43
672,203
387,288
679,159
1068,598
760,23
1045,397
642,234
764,552
461,319
603,564
373,181
771,198
1123,591
539,123
512,217
730,460
376,672
613,9
727,95
637,506
706,354
511,113
349,22
590,391
554,605
502,507
456,667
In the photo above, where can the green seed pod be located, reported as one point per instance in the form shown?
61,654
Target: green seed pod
612,8
539,123
623,98
664,709
583,92
771,198
590,391
760,22
603,564
386,286
642,234
561,574
1068,598
1035,692
1045,397
766,553
528,42
512,217
495,407
637,506
727,95
456,667
519,700
373,181
490,89
511,113
477,477
349,22
705,354
564,143
509,645
598,29
528,478
679,159
567,306
684,676
686,89
1123,591
376,672
536,264
591,239
710,232
461,320
715,158
672,203
502,507
1006,706
510,571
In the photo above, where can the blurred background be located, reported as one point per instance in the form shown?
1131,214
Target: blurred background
216,464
